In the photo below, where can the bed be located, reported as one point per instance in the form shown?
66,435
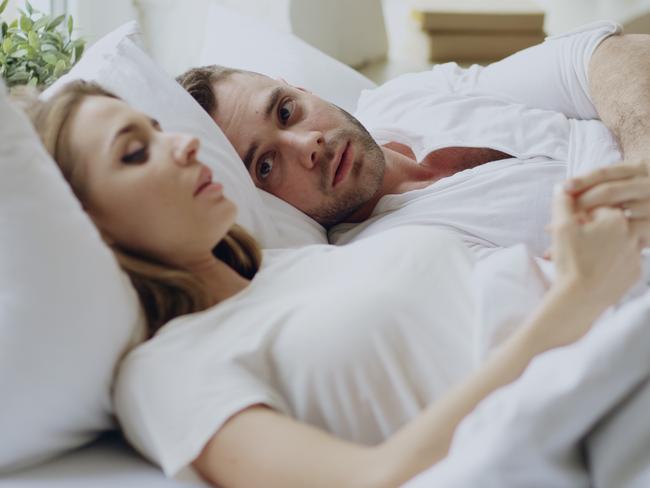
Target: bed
108,462
480,456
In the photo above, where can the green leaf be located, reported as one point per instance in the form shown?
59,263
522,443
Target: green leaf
7,45
78,52
33,40
3,6
28,7
60,68
70,25
18,76
26,23
50,58
19,53
40,23
55,23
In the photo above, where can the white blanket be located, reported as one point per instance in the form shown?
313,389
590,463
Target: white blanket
577,416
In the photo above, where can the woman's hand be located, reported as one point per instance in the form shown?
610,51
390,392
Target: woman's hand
625,186
596,253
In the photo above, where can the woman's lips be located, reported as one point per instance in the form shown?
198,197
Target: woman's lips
210,187
344,165
203,180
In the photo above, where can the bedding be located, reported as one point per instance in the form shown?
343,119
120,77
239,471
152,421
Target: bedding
62,330
578,415
108,462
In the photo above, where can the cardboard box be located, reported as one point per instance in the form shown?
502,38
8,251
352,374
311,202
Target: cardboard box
479,15
478,46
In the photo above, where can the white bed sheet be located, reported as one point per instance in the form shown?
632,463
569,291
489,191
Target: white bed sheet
106,463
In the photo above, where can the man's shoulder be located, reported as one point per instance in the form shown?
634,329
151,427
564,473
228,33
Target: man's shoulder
404,88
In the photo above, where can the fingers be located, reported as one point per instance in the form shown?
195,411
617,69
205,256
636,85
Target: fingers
615,193
636,210
563,207
617,172
641,230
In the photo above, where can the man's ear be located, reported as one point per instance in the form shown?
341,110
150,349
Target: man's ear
296,87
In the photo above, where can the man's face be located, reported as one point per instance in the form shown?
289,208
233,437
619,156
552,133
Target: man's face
298,147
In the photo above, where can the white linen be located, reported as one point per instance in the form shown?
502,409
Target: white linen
62,330
618,449
109,462
504,202
530,433
356,340
234,39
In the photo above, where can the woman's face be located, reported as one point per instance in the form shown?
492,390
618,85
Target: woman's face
145,188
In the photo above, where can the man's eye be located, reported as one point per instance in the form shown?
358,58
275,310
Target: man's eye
264,168
139,156
285,110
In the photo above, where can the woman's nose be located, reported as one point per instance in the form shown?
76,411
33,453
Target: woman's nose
185,148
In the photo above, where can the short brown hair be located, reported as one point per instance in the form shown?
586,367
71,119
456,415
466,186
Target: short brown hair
199,82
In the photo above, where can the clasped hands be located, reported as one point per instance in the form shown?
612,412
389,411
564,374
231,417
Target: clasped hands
600,224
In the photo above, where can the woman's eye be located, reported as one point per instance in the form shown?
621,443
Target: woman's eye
285,111
264,168
139,156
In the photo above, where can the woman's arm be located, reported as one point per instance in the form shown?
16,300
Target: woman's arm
260,447
596,262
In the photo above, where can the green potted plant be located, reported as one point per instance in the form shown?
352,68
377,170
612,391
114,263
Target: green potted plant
36,48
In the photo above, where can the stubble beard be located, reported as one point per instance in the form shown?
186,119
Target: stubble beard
364,180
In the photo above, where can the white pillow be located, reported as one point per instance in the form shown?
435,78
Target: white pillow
67,312
236,40
120,65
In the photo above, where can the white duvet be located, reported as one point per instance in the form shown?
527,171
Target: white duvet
578,416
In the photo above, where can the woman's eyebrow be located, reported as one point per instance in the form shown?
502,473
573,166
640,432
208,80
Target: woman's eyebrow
124,130
133,126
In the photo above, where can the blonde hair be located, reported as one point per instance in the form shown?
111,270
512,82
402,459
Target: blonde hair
164,292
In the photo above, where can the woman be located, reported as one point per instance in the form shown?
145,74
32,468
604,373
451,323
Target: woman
173,231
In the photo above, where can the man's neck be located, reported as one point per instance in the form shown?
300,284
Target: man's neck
402,173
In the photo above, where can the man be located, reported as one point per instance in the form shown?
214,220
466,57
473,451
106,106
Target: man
476,150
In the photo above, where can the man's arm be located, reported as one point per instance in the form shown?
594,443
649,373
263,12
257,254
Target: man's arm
619,82
550,76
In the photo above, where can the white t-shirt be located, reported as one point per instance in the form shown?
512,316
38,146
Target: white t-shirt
356,340
534,105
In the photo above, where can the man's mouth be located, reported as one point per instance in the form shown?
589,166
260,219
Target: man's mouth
343,163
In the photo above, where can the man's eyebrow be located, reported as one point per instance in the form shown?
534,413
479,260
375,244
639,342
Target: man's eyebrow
273,101
248,158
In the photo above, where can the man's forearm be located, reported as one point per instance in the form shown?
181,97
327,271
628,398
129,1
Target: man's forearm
619,82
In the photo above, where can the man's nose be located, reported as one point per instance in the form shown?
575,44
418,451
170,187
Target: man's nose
185,148
306,146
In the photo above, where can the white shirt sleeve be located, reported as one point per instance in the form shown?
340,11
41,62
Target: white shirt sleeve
551,75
